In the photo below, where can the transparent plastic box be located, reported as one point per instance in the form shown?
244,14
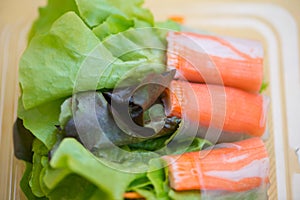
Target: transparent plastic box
275,23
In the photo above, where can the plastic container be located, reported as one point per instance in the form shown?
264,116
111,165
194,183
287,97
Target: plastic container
275,24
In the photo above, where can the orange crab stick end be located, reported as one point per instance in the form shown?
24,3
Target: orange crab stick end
239,111
235,167
216,60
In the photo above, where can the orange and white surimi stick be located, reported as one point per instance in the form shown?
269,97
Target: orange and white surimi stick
233,109
235,167
216,60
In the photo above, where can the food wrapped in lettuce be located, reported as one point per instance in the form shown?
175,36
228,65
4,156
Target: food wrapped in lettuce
93,119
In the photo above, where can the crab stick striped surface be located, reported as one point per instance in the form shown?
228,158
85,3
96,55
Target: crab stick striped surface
216,60
226,108
238,166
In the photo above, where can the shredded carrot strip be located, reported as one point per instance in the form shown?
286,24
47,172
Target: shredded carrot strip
177,18
132,195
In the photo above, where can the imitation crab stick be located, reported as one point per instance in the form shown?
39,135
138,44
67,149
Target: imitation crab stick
225,108
216,60
238,166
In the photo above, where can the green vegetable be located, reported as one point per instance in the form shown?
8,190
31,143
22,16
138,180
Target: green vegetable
24,184
95,12
151,144
113,25
65,113
41,121
40,152
165,26
75,187
148,194
80,62
127,161
87,45
64,56
264,86
158,177
60,54
142,182
190,195
50,13
188,144
73,158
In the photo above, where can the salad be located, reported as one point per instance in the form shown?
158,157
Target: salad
115,105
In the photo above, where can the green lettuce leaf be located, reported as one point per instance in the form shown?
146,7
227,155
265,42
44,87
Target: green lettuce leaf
66,112
147,194
60,43
159,178
41,121
72,158
190,195
53,59
133,9
73,59
150,144
164,27
74,187
94,12
24,183
139,183
264,86
123,47
49,14
168,25
113,25
188,144
40,152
